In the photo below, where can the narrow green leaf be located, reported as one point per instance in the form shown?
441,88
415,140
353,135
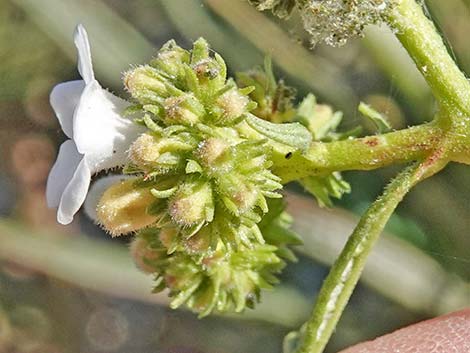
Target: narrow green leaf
292,134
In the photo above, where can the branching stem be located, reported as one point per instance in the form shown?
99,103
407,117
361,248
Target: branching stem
345,273
420,38
435,144
361,153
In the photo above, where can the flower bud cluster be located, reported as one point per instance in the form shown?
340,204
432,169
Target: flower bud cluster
275,103
201,187
222,281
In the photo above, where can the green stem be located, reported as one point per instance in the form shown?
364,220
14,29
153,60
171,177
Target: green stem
422,41
360,154
345,273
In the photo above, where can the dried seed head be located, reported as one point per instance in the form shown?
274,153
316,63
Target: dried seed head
335,21
281,8
331,21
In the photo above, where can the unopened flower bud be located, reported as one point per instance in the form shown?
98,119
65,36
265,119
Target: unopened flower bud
274,99
123,208
170,59
185,110
167,236
200,242
192,203
211,152
146,84
143,255
209,70
150,153
244,198
232,104
239,196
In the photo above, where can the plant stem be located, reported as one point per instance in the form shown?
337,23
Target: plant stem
345,273
360,154
424,44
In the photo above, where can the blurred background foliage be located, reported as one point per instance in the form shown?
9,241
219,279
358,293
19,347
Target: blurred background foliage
73,289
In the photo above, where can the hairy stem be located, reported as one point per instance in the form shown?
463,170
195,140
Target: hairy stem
424,44
345,273
360,154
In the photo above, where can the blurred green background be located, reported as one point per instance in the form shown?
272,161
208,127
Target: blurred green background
73,289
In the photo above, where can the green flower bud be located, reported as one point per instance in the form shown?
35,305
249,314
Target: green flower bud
170,60
199,242
185,110
210,72
150,153
122,208
221,281
211,153
168,236
146,84
274,98
232,105
143,255
239,195
192,203
320,119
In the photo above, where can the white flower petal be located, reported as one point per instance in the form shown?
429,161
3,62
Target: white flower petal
99,130
64,99
97,190
75,193
62,172
91,117
85,66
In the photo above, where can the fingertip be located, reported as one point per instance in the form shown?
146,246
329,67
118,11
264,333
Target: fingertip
448,333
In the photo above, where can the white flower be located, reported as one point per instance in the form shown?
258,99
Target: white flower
99,136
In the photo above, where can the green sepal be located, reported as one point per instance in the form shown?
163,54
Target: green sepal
163,194
132,109
151,124
325,187
193,167
380,122
320,120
